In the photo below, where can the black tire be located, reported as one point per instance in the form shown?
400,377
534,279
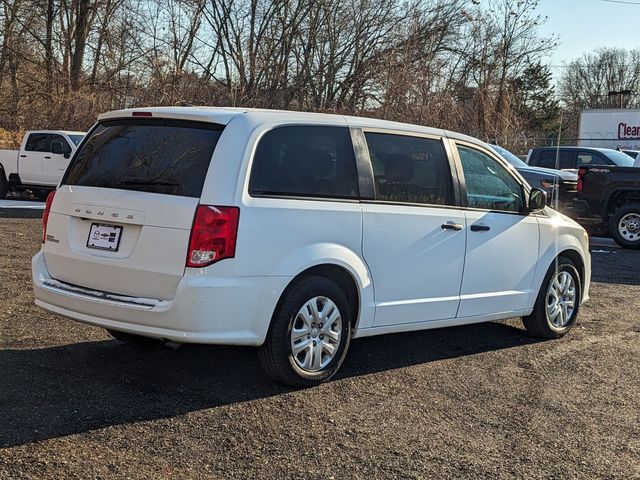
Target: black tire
276,354
617,231
41,194
132,339
538,323
4,185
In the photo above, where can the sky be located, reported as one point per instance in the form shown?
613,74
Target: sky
585,25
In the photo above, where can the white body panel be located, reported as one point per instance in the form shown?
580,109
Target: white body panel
153,246
500,263
416,264
409,272
31,167
9,161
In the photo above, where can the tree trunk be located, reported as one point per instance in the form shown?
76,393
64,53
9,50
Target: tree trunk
80,42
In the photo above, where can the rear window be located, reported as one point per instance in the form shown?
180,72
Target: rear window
620,159
305,161
559,160
410,169
147,155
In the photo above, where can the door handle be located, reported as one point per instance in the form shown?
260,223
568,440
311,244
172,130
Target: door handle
23,156
48,158
452,226
480,228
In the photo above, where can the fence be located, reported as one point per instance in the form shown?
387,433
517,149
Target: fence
521,145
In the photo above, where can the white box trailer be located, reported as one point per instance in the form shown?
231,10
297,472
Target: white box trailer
610,128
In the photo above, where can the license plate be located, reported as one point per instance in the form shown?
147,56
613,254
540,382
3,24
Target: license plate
104,237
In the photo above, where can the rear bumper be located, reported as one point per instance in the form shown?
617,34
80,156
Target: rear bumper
565,197
212,310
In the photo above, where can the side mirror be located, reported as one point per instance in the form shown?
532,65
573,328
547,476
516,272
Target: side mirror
537,200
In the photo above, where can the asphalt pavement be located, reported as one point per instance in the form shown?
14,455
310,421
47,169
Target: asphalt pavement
474,402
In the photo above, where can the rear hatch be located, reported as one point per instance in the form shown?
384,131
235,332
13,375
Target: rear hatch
121,220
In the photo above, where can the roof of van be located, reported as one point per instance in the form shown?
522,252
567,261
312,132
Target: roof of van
67,132
223,115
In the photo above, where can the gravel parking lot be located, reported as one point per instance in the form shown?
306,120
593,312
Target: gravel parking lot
474,402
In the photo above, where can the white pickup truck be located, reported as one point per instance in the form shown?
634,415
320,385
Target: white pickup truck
40,163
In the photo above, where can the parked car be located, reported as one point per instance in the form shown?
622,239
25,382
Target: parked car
572,158
559,185
40,162
296,232
609,198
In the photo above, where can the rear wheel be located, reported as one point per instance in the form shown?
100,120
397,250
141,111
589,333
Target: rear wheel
131,338
41,194
309,334
624,225
4,185
558,302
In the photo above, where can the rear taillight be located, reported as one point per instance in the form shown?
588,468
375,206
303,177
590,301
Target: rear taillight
45,214
581,173
213,235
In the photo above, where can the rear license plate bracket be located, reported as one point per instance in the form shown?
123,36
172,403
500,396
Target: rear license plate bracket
103,236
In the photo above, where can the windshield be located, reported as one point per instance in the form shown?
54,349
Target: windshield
164,156
76,139
509,157
619,158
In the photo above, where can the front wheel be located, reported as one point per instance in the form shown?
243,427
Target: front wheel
309,334
625,225
558,302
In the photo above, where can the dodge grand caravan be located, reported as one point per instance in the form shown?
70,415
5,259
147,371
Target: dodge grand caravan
296,232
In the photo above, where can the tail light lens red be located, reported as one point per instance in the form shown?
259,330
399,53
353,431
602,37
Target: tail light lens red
581,173
213,235
45,214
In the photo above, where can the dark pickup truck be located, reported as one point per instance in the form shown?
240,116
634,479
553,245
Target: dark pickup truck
608,199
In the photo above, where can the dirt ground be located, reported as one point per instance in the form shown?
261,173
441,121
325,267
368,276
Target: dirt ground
473,402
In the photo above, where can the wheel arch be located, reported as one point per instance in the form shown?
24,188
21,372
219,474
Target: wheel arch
578,261
618,197
338,274
562,240
570,252
342,266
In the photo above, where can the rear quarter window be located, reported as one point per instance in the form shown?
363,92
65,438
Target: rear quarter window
39,142
305,161
564,159
164,156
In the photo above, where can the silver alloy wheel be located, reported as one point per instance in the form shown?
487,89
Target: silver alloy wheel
316,334
561,299
629,227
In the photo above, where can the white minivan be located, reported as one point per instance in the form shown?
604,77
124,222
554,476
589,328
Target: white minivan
296,232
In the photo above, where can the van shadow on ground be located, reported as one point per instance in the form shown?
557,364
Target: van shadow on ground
52,392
